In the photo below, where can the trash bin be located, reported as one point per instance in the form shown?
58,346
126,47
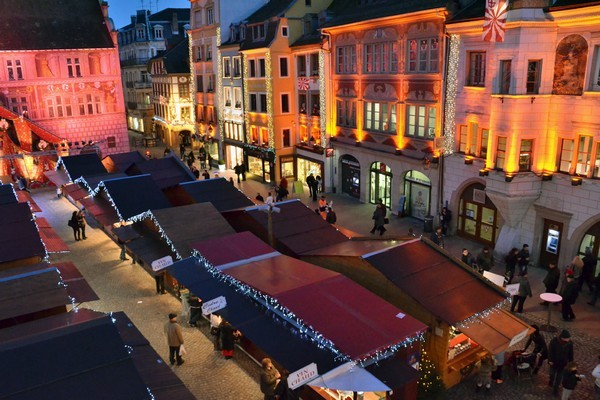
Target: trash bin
428,224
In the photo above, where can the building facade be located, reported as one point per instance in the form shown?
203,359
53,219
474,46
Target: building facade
385,97
146,36
65,75
526,128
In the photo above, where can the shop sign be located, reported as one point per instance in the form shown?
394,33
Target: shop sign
518,337
497,279
213,305
302,376
161,263
513,289
329,152
382,167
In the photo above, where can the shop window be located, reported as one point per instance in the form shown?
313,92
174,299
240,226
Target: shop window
566,155
501,153
476,73
423,55
264,136
346,60
285,103
286,136
505,77
534,71
584,155
525,155
380,117
421,121
301,64
283,67
595,76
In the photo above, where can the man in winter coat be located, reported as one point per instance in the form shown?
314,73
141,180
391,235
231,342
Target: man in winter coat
174,338
485,259
551,280
560,353
524,292
569,295
269,379
523,258
540,349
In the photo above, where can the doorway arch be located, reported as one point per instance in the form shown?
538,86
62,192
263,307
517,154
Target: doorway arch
477,216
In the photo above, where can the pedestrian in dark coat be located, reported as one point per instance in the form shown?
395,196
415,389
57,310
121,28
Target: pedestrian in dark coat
467,257
485,259
182,151
243,171
379,219
437,237
269,379
570,379
524,292
589,267
540,348
190,159
560,353
445,217
81,223
238,172
74,224
206,175
569,296
310,181
228,336
551,280
511,264
596,292
523,258
331,217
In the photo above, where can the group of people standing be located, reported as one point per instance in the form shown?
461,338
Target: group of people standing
78,224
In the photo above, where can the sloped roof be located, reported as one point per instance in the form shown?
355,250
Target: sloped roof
134,195
48,25
436,280
345,12
270,34
165,172
473,11
187,224
82,165
183,14
219,192
228,249
274,8
19,236
92,360
119,162
176,59
8,194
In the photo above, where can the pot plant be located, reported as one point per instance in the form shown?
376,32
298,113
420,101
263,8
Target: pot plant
221,165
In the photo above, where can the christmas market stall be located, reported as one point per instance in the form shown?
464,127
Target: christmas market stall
120,162
358,327
166,172
218,191
462,309
20,241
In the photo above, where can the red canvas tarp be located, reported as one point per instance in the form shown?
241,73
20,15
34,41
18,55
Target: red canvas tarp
358,322
53,242
77,286
25,197
232,248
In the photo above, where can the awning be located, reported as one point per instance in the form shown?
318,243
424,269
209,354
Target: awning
495,331
77,286
351,378
394,372
25,197
75,192
58,177
100,210
53,242
125,233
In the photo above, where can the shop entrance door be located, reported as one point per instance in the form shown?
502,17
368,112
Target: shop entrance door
350,176
551,239
381,184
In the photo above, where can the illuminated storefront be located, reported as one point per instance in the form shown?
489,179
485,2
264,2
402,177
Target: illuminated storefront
417,189
350,176
381,184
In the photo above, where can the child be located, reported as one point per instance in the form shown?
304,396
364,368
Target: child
484,376
570,379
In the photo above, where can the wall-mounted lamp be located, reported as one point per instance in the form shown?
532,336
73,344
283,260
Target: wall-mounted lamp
576,181
508,177
532,100
546,176
468,160
484,172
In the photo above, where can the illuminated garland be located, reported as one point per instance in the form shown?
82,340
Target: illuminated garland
451,90
192,80
322,97
149,215
269,89
110,199
220,102
246,97
81,180
46,256
475,318
62,283
304,330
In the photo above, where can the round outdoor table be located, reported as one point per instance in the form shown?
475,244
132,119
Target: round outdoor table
551,298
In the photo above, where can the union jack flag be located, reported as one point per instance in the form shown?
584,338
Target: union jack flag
494,20
303,83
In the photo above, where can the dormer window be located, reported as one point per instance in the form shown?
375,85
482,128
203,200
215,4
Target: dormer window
140,33
258,32
158,32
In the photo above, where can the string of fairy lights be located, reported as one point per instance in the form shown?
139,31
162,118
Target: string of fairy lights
451,90
322,97
269,89
246,98
150,215
477,317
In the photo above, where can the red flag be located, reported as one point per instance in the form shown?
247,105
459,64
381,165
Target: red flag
494,20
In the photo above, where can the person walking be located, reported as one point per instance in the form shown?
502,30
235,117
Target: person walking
596,374
123,255
269,379
577,266
596,292
160,283
190,159
523,258
524,292
540,348
269,201
81,223
511,264
560,353
570,380
215,331
569,296
437,237
238,172
174,339
551,280
206,175
589,267
485,260
378,219
228,337
498,372
182,150
310,181
74,224
243,170
445,217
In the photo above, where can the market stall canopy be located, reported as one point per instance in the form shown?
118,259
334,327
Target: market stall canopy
76,166
75,192
231,250
54,358
77,287
180,226
296,228
132,196
8,194
148,249
25,197
19,235
160,378
51,239
277,338
101,210
495,331
120,162
58,177
217,191
165,172
352,248
351,378
436,280
91,182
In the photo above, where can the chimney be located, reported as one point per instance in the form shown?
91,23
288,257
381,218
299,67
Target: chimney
175,24
104,6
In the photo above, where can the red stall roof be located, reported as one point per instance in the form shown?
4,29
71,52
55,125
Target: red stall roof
357,321
51,239
232,248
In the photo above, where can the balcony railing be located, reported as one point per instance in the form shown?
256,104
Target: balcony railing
142,85
134,61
